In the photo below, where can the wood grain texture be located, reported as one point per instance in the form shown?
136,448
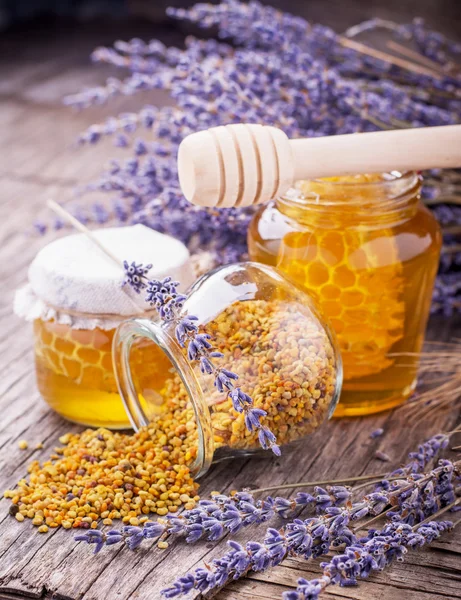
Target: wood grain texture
38,161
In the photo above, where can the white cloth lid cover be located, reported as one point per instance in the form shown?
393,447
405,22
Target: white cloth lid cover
73,273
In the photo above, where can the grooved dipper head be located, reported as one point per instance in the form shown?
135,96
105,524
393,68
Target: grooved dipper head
235,165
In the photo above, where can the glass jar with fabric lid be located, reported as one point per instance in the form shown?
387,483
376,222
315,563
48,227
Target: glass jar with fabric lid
367,251
75,300
264,331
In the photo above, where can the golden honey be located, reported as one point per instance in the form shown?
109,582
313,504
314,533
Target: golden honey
367,250
75,374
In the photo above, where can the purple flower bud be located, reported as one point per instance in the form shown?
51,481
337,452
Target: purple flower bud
135,275
113,537
224,379
194,532
376,433
252,418
193,350
153,529
267,440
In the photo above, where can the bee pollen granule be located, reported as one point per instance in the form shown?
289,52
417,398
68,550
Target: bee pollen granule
107,475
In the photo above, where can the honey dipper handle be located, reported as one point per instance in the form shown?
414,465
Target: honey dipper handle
241,165
377,152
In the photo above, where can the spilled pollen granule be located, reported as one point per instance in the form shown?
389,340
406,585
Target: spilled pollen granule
107,475
23,444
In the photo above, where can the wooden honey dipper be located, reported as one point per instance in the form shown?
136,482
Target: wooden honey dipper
241,165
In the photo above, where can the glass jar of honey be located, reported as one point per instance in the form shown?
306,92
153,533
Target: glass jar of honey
75,299
367,251
268,333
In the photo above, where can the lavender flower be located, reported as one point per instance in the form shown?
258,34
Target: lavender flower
447,294
165,297
309,538
267,440
419,460
239,560
425,453
93,536
308,590
212,519
135,275
372,553
430,43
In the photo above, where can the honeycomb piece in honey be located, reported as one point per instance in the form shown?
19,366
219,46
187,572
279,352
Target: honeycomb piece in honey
71,353
357,281
85,356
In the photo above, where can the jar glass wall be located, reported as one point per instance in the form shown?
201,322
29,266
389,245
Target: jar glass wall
367,251
270,335
75,374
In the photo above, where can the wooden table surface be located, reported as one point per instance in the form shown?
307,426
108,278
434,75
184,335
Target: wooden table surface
38,162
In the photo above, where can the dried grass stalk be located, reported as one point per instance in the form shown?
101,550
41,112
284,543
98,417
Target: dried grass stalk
440,375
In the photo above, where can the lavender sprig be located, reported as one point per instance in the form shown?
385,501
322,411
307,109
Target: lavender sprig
419,460
415,498
212,519
373,553
165,297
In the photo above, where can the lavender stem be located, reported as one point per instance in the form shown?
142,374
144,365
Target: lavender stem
287,486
